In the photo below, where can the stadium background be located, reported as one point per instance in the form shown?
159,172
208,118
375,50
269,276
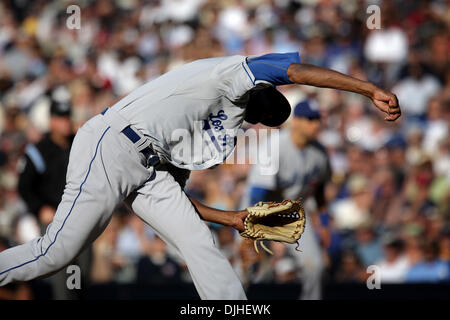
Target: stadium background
388,199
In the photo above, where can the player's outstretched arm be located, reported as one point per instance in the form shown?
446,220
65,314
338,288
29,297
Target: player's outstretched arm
233,219
307,74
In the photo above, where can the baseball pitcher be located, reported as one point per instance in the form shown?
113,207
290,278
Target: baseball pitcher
130,150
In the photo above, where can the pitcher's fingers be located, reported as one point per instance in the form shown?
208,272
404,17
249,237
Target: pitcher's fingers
392,117
383,106
394,110
393,102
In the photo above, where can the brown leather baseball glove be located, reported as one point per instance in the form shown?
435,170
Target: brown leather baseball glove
278,221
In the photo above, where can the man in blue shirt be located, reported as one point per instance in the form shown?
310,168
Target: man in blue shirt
431,269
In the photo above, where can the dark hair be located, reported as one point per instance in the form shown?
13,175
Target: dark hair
268,106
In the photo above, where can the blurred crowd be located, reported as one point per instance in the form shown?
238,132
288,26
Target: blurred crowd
388,200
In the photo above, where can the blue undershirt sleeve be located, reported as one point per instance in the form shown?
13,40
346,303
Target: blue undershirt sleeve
272,67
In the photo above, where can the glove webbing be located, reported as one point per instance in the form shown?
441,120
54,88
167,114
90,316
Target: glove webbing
275,204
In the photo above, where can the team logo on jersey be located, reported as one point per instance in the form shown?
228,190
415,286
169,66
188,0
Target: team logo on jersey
216,131
216,120
210,142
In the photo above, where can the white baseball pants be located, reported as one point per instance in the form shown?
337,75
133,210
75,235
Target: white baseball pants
104,169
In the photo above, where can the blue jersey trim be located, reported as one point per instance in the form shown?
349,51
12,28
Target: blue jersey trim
248,74
273,67
70,211
133,136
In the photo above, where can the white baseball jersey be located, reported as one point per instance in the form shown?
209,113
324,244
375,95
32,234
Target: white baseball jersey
201,105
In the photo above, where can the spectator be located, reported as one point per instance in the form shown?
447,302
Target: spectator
351,213
368,247
437,126
413,241
394,266
444,245
156,267
431,268
416,89
285,271
351,270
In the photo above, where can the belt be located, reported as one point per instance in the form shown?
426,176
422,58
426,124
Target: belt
150,155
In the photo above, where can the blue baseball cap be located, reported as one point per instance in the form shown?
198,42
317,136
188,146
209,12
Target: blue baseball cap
307,109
